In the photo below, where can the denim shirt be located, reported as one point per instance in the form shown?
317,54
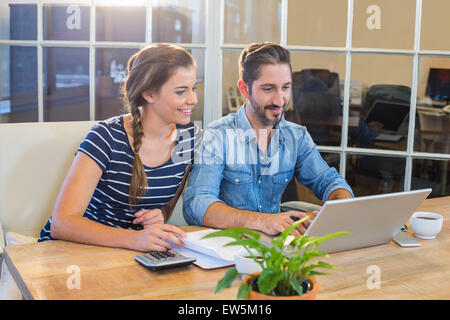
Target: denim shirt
229,167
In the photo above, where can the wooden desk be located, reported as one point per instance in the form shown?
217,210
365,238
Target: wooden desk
107,273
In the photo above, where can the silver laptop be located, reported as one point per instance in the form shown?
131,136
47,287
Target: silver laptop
372,220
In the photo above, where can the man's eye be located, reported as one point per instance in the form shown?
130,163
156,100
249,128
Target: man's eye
180,93
267,89
194,89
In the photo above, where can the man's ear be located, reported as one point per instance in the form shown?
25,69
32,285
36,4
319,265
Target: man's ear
243,88
147,96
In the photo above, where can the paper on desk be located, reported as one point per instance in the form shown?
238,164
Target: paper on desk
211,252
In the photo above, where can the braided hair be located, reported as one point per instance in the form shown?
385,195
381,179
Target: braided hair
148,70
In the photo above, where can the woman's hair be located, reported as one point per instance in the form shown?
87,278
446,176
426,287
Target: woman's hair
147,71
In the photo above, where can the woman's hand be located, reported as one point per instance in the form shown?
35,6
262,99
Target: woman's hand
149,217
156,237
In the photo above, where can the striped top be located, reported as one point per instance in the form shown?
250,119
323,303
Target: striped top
108,145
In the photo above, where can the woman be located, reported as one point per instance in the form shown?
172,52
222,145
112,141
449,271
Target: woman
130,170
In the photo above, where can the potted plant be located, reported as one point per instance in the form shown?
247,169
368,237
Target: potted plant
287,272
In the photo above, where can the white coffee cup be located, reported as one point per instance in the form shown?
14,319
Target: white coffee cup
245,263
426,225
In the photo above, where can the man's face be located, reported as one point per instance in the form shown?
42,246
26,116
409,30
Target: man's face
270,93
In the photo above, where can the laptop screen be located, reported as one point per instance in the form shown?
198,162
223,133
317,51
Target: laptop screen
390,114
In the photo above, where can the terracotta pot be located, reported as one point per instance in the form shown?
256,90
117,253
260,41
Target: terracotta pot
311,295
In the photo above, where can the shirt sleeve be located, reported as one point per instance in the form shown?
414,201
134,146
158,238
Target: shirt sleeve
97,145
313,172
204,180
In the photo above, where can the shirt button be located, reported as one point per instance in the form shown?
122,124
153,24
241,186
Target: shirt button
237,180
260,206
286,180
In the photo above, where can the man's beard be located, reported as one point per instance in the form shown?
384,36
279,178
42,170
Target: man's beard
260,112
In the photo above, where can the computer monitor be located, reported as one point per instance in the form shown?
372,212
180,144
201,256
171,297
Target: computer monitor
390,114
438,86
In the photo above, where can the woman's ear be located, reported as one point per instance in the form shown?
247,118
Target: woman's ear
243,88
147,97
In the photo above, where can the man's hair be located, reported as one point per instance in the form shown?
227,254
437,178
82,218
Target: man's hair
257,55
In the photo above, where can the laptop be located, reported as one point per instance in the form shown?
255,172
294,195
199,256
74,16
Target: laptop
372,220
391,115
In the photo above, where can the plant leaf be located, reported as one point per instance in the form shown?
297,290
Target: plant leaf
288,231
296,284
268,279
235,233
244,289
319,240
227,280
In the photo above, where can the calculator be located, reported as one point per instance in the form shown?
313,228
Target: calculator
157,260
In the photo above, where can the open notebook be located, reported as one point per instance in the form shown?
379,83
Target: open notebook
210,253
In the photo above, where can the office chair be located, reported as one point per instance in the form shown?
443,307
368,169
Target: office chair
316,100
374,168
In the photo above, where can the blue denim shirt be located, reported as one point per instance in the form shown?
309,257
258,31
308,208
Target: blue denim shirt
229,167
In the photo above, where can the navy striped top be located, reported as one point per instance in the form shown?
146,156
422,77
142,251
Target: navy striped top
108,145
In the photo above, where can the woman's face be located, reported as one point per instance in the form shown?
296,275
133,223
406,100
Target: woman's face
176,98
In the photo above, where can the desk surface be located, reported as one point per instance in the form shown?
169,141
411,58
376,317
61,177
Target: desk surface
41,271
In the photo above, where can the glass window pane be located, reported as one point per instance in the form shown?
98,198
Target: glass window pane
231,97
317,96
248,21
384,24
381,94
178,21
317,23
110,72
66,22
199,56
110,23
66,84
18,84
431,174
369,175
433,93
18,21
435,24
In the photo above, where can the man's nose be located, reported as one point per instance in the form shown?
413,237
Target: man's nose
279,99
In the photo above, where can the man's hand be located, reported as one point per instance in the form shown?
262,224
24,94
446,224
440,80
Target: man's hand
274,224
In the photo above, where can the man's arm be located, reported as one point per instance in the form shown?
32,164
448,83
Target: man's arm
340,194
312,171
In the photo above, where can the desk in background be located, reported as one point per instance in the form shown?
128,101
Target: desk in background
107,273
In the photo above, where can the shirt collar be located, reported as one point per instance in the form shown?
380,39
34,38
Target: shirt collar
242,122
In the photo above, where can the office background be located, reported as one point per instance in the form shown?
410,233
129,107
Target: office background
65,61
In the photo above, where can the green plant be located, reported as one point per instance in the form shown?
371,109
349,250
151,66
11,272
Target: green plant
283,272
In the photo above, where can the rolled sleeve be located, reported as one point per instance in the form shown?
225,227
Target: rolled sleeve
315,173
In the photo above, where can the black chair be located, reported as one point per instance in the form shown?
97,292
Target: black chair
316,100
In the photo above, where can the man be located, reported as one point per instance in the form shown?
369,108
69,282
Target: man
248,158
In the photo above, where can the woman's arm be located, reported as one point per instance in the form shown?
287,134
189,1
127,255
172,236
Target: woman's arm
68,222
